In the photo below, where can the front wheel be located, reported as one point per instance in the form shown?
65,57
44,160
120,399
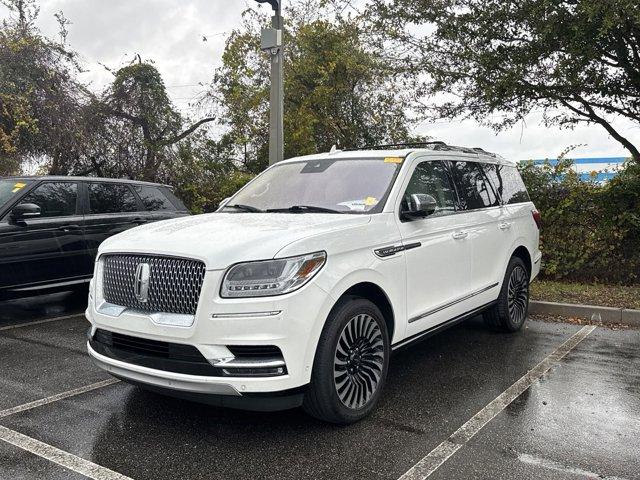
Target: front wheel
511,309
351,363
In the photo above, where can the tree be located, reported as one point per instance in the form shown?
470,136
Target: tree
139,127
498,60
337,89
40,100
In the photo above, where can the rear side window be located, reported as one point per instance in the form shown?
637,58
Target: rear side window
474,190
56,199
175,200
514,190
432,178
153,198
111,198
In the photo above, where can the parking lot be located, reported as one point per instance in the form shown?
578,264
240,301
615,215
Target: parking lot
553,401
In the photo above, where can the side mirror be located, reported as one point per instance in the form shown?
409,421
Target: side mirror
420,205
25,211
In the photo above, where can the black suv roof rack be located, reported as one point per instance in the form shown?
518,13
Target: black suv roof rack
435,145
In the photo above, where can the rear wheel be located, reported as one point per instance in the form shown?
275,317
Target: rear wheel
351,364
510,312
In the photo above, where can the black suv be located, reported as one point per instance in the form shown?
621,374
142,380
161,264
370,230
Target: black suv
51,227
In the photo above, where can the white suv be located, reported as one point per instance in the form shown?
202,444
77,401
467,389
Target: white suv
302,284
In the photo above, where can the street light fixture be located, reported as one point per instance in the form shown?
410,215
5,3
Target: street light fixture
271,42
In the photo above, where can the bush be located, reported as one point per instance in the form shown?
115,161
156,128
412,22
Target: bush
590,231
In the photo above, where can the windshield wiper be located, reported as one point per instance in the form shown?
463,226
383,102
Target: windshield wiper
244,208
304,209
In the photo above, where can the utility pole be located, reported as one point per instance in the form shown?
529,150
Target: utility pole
271,42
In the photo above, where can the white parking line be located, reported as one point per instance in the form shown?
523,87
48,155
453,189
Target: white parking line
57,397
559,467
60,457
434,459
38,322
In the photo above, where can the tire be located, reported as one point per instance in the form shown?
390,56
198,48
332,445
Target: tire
359,364
510,311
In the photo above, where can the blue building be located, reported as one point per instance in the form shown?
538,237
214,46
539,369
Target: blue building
603,168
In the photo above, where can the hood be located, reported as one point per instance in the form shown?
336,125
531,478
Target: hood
222,239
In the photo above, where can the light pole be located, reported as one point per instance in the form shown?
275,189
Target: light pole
271,42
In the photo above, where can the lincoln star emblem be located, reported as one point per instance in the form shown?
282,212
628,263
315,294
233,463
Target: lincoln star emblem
141,285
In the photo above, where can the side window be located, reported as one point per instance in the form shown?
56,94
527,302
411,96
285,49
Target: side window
432,178
474,189
153,198
514,188
494,174
111,198
54,199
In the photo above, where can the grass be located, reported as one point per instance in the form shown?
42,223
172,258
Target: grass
590,294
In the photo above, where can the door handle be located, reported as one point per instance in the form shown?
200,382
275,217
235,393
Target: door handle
69,228
504,226
460,235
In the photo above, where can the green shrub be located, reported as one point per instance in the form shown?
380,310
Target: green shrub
590,231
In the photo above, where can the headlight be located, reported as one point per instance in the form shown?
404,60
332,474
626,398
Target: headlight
271,277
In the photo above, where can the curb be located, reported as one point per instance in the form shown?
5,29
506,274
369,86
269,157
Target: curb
625,316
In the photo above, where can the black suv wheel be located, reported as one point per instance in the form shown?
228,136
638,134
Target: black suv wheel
351,362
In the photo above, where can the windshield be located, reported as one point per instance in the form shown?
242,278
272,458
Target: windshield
343,186
9,189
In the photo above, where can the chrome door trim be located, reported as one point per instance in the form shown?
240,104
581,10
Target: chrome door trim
452,303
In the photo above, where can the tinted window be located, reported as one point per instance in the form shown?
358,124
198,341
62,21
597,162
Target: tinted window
432,178
111,198
54,199
153,198
508,183
474,189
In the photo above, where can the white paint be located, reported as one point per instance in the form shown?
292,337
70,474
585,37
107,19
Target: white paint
432,461
39,322
559,467
60,457
57,397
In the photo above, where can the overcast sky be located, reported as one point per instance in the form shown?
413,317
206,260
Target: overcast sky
170,32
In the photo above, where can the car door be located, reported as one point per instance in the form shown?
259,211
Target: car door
111,208
437,261
46,249
481,217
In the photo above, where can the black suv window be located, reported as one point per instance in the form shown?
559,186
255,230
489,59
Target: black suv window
111,198
55,199
432,178
153,198
474,189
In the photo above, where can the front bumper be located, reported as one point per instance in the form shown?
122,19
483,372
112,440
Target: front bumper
162,378
293,325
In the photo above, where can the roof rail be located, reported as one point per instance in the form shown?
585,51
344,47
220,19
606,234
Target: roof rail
435,145
396,145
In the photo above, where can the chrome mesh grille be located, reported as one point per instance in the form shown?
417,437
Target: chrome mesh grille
174,283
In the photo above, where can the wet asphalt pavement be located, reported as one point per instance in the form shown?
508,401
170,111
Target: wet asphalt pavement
580,420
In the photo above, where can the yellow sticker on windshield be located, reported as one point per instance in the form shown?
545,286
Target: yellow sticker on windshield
18,186
369,201
393,160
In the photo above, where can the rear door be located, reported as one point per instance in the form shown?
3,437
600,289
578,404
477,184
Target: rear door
46,249
111,208
480,216
437,262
